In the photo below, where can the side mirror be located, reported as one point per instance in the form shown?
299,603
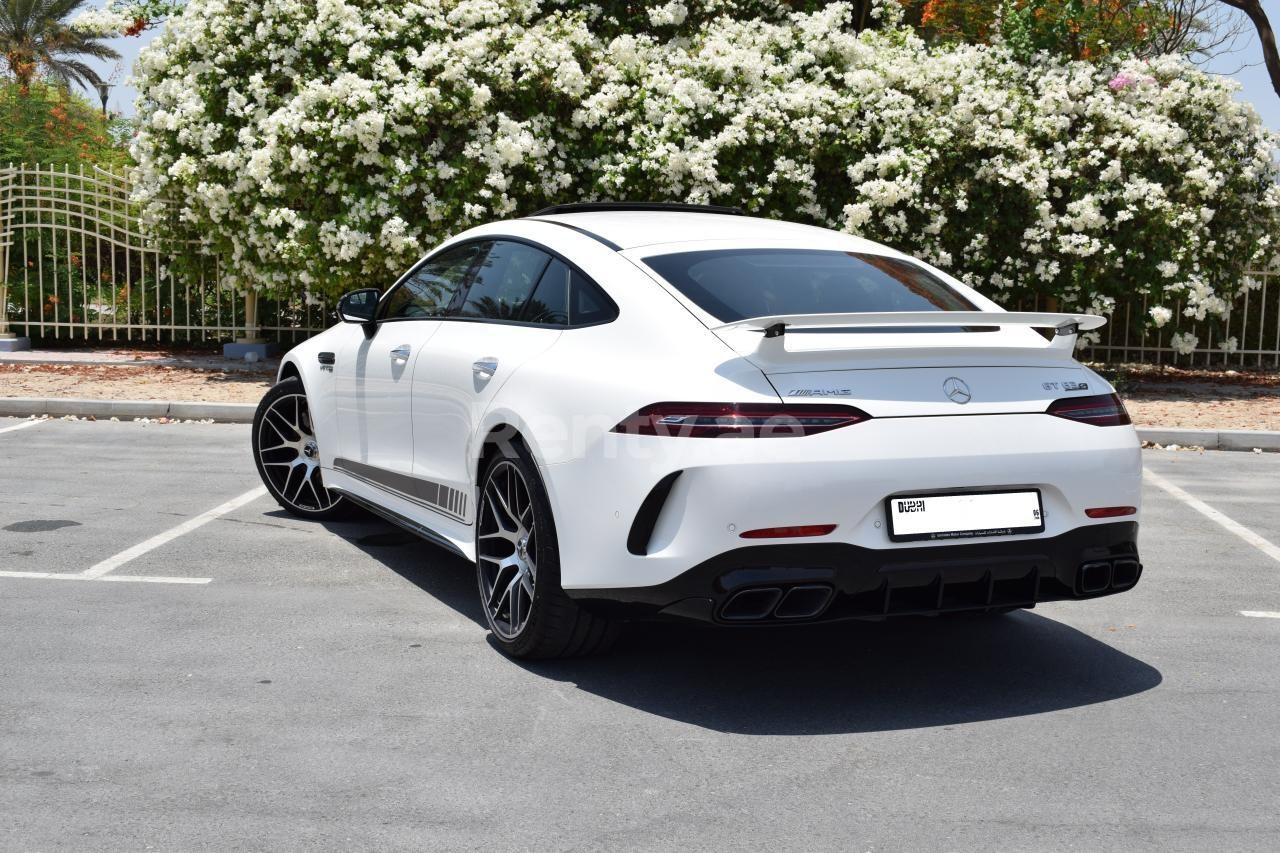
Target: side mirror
360,306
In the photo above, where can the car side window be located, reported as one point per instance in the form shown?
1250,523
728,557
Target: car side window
566,297
430,289
588,304
504,281
549,305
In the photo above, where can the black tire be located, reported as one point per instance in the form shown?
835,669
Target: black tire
555,626
285,464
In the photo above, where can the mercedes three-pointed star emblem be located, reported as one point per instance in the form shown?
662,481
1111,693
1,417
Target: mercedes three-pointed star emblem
956,390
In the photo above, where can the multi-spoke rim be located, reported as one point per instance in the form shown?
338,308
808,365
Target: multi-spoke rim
506,550
290,456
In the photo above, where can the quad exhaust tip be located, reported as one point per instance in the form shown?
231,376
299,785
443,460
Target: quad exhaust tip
752,604
804,601
1095,577
1111,575
1124,573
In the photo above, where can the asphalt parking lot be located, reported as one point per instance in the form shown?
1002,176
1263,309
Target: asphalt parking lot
242,680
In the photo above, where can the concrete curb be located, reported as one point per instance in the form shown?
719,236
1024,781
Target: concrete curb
1213,439
267,367
242,413
234,413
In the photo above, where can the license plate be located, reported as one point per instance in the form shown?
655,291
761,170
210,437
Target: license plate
928,517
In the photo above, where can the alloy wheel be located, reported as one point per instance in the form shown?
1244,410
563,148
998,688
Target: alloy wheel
290,455
506,546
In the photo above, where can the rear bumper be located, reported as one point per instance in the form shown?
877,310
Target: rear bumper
842,477
833,581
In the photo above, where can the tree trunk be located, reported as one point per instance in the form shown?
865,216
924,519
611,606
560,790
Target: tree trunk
1253,8
23,67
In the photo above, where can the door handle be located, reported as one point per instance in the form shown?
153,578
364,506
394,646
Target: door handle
485,368
401,352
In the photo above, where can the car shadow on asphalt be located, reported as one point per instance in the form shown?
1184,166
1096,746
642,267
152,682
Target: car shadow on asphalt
820,679
858,676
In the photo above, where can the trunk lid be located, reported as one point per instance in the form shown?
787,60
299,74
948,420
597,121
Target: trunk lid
930,391
914,371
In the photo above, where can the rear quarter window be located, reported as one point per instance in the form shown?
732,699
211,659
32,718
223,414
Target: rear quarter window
567,297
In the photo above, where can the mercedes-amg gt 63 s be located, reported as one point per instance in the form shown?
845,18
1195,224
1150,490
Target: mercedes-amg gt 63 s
623,411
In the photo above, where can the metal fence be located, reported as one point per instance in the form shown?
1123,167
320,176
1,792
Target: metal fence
1254,323
76,262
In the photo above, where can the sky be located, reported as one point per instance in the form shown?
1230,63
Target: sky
1244,64
121,98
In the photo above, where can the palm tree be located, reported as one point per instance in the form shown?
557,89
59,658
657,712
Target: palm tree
34,35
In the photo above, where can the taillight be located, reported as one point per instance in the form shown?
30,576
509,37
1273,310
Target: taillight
745,420
1100,410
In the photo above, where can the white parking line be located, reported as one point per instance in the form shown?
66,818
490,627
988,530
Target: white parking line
102,571
1213,515
22,425
112,563
1261,614
79,576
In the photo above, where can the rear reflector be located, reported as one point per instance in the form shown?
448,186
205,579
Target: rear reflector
1110,511
1099,410
789,532
744,420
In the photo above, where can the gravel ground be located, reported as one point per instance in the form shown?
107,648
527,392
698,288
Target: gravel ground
1207,412
1206,399
1163,397
104,382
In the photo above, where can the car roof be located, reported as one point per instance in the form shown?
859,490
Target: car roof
629,229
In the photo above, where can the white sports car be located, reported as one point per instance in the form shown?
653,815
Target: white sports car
649,410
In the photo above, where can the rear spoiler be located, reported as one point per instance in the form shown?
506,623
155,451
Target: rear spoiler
1065,326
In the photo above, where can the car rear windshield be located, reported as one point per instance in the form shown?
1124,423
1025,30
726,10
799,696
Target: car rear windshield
736,284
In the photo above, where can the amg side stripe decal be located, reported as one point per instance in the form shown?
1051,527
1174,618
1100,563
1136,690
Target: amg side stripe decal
398,519
443,499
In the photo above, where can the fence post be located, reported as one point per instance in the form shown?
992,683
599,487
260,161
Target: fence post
9,342
252,346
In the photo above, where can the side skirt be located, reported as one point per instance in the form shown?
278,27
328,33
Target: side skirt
400,521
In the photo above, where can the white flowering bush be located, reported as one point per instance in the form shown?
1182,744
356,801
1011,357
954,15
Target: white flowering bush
327,144
103,22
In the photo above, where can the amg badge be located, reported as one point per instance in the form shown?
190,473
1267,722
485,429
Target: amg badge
820,392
